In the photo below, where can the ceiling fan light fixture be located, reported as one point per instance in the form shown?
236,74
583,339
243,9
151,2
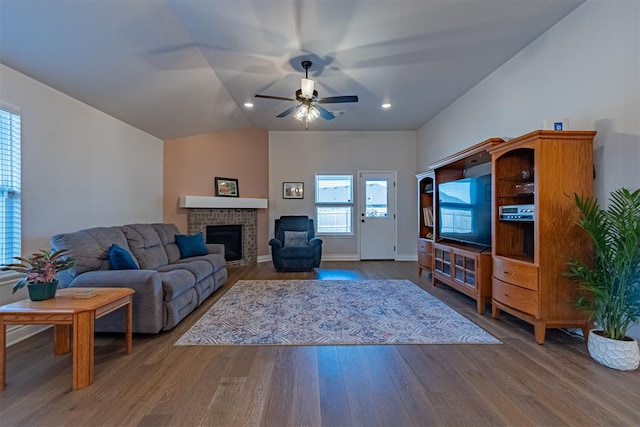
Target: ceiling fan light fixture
312,114
306,86
307,111
301,112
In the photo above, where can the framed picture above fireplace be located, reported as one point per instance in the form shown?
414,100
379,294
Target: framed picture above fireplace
227,187
293,190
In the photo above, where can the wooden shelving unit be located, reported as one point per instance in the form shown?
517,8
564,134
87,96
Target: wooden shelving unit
544,169
426,220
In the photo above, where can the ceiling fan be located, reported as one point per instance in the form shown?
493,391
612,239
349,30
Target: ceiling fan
308,110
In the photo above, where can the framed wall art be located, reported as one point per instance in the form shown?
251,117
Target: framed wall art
293,190
227,187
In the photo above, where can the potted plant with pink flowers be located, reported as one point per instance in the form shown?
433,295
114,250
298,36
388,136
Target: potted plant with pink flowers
40,270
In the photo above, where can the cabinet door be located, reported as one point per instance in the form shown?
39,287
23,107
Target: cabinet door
442,261
465,270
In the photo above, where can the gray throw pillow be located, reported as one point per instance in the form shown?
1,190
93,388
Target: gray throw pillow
295,238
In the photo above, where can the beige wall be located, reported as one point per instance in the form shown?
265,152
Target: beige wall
81,168
298,156
191,165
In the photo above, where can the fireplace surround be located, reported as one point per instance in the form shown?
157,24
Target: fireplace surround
199,219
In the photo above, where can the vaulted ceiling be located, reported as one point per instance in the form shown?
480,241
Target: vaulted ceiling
176,68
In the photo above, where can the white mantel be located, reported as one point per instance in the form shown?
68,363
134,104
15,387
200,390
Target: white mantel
204,202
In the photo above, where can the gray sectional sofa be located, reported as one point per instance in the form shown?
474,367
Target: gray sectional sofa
167,286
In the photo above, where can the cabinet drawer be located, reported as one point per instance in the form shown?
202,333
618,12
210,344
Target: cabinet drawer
424,260
521,299
424,246
521,274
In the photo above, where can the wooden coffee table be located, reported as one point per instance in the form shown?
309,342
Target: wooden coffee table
73,320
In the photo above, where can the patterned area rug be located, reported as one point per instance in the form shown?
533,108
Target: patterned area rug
331,312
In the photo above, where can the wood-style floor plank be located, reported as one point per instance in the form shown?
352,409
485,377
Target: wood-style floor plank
515,383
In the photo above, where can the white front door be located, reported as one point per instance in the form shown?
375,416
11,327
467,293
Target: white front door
377,216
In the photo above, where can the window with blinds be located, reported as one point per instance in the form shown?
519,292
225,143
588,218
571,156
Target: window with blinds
334,204
10,223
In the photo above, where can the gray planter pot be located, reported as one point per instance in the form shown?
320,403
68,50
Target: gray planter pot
616,354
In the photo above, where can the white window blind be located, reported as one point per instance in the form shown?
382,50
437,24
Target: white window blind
10,223
334,204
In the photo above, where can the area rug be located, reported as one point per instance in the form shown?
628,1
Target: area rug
331,312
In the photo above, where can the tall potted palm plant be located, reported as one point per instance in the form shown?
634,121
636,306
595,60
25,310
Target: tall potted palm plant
611,278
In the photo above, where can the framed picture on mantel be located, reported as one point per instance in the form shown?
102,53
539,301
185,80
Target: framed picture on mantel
227,187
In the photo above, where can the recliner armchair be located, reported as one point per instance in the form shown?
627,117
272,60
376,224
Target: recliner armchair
295,247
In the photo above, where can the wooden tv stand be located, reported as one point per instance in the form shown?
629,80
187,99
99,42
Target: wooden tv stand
464,268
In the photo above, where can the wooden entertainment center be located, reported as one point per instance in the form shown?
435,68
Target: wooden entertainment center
464,267
534,229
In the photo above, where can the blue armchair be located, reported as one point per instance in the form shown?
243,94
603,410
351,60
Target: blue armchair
295,247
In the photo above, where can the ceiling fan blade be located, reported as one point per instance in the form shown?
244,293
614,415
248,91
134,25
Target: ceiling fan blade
288,111
281,98
338,99
324,113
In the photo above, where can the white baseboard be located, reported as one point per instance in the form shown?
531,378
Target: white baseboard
340,257
17,333
264,258
346,257
407,257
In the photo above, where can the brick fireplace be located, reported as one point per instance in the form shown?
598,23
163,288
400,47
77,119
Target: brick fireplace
199,219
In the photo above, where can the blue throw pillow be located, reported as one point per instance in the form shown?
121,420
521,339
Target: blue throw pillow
121,259
191,245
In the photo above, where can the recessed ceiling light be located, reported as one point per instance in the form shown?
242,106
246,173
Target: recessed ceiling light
248,104
386,105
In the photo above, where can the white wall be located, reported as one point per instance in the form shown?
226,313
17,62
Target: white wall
298,156
586,68
80,167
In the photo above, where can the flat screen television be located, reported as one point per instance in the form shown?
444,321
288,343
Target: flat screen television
464,210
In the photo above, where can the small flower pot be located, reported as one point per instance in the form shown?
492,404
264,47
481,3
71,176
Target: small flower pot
623,355
42,291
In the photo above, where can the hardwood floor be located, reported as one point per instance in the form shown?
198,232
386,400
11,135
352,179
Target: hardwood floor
516,383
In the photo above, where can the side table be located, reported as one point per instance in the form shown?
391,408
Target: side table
73,319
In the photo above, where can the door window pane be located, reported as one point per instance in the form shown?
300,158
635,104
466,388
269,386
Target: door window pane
376,199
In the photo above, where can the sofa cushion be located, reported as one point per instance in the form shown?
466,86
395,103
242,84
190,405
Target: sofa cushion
295,238
146,246
167,234
297,252
121,259
199,268
217,261
191,245
89,248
